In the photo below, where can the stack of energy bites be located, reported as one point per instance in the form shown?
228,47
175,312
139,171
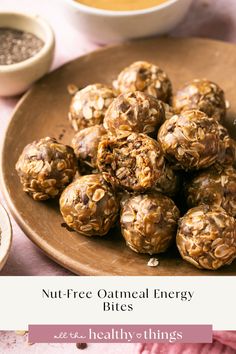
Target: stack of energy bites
133,143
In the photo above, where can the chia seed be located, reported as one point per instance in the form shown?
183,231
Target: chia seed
17,46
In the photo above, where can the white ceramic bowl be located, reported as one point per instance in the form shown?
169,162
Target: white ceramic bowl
105,26
5,236
16,78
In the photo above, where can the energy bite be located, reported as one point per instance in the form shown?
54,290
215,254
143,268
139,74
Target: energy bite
149,222
88,106
190,140
85,145
206,237
213,187
145,77
132,161
227,153
45,168
89,206
169,182
203,95
135,112
169,110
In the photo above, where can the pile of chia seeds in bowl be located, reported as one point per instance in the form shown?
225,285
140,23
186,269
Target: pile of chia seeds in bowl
17,46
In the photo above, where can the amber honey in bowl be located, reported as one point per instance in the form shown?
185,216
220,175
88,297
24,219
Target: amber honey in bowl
121,5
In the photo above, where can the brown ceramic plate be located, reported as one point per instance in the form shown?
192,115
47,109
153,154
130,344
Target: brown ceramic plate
43,112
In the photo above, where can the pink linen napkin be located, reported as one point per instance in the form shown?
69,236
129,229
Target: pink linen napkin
224,342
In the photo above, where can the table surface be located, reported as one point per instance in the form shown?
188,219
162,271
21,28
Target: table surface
206,18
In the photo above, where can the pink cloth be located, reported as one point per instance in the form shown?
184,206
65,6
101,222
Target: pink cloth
10,343
223,343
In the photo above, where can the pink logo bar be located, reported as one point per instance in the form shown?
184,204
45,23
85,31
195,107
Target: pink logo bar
120,333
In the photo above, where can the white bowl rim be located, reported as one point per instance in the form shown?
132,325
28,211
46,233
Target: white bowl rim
6,231
114,13
48,44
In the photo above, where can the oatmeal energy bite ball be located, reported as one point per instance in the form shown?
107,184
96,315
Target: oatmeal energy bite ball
213,187
227,153
133,161
146,77
89,206
169,110
190,140
168,183
204,95
206,237
135,112
85,145
45,168
88,106
149,222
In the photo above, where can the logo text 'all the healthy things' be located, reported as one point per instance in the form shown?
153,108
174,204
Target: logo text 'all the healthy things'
120,333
